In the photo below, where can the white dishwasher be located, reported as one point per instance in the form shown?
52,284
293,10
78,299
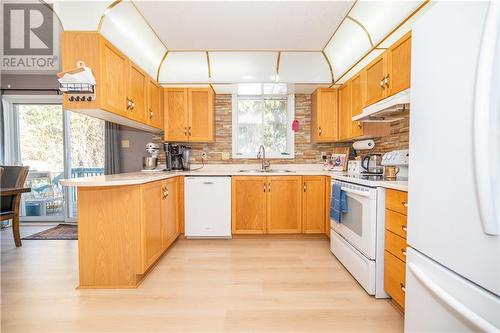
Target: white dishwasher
207,203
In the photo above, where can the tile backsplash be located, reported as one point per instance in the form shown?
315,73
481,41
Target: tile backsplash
305,150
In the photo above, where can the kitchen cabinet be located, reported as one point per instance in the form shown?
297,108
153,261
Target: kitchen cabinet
324,116
284,201
399,65
155,104
169,211
389,73
137,93
266,204
134,227
152,201
357,97
249,202
345,118
313,204
189,114
395,245
328,200
121,90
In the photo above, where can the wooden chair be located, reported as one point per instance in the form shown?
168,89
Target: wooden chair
11,185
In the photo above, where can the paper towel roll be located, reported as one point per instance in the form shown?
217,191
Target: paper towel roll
362,145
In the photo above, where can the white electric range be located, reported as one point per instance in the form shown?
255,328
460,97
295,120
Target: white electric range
358,240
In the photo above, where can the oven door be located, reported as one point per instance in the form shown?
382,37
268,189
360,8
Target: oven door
358,225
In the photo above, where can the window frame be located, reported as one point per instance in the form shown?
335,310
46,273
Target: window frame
290,133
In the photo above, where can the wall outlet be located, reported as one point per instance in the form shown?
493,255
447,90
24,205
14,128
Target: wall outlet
125,144
226,155
324,156
204,155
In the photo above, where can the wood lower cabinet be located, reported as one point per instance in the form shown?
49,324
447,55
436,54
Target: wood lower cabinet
284,201
249,204
328,199
313,204
395,246
189,114
266,204
134,226
324,115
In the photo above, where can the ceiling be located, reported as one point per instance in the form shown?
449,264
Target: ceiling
244,25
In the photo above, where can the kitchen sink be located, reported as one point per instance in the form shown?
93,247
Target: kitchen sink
267,171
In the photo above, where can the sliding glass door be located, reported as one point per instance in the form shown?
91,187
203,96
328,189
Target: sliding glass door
55,144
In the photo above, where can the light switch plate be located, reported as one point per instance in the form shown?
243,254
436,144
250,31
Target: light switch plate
125,144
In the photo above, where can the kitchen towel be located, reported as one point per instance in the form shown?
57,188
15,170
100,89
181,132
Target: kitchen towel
338,204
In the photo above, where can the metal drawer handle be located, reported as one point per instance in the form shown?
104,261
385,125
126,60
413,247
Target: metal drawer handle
402,286
403,251
404,228
404,203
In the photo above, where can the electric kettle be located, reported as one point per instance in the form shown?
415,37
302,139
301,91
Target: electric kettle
372,163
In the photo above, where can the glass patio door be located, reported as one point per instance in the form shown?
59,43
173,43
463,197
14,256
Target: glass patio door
56,144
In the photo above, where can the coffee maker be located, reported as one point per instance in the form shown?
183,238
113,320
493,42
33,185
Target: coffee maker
177,157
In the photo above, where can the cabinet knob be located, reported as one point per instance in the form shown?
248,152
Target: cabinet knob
402,286
403,251
386,81
404,203
305,187
381,83
403,227
189,130
269,187
185,131
264,187
319,130
150,114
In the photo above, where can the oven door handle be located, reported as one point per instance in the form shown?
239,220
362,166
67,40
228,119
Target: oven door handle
360,193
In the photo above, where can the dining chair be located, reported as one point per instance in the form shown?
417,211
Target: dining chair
12,177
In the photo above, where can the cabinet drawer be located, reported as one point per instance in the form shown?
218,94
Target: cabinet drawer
395,245
396,201
394,278
395,222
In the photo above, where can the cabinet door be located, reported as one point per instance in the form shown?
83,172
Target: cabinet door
374,75
137,86
399,63
328,199
356,105
345,112
201,115
114,71
152,195
155,111
176,114
249,205
170,212
313,205
284,205
327,115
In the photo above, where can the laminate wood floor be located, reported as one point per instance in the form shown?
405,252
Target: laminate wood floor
239,285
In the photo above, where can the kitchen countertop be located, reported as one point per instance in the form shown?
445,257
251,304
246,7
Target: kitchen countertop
136,178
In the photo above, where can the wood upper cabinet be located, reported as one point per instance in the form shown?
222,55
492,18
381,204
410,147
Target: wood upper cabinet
176,114
201,115
114,79
345,111
399,65
152,197
169,209
189,114
324,118
374,75
155,102
313,204
357,97
284,201
137,93
249,204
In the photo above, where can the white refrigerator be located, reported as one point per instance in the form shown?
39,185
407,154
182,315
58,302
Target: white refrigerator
453,260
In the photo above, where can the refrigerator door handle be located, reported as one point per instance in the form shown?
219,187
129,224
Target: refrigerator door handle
483,113
461,309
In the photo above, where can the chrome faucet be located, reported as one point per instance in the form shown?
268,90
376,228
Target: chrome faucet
262,156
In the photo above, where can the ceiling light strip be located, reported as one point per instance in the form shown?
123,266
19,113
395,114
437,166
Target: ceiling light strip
159,66
149,25
106,11
346,15
329,65
227,50
364,29
232,83
383,39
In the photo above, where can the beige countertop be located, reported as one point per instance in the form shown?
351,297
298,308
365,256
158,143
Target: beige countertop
136,178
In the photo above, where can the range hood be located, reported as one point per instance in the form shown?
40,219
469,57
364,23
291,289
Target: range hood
391,109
